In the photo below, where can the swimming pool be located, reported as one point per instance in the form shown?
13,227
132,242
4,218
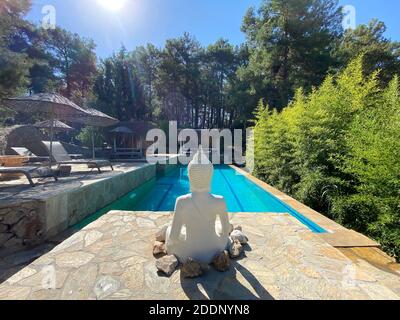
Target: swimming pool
241,195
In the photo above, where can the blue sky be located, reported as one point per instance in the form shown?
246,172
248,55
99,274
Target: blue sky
154,21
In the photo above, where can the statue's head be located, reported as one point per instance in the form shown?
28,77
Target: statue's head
200,171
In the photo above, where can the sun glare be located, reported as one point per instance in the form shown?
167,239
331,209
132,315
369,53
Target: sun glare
112,5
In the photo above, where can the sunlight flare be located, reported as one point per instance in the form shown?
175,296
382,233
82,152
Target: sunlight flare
112,5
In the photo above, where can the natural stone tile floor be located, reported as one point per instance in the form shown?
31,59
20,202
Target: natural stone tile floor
112,259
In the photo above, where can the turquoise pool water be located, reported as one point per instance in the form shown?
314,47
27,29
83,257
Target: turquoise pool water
241,195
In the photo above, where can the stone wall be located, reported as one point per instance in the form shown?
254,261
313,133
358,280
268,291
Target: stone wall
74,206
21,224
29,223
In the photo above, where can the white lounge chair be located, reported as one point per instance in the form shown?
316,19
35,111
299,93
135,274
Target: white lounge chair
32,158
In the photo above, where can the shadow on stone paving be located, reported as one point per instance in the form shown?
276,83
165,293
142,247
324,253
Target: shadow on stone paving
12,263
215,285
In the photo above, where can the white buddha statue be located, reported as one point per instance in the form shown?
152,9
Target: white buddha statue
196,232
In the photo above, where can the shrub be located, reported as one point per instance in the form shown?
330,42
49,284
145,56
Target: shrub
356,212
337,149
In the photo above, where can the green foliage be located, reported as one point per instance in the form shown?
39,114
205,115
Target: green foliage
118,89
74,61
337,150
35,60
275,134
291,44
14,63
356,211
87,135
379,52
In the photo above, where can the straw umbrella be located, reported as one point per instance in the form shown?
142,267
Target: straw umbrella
57,126
58,107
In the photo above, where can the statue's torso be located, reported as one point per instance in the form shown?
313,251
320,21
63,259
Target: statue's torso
198,214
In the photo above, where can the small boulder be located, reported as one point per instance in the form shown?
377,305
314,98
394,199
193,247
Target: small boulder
192,269
161,235
159,248
222,262
167,265
235,249
239,236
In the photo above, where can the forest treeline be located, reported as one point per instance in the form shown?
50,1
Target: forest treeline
289,44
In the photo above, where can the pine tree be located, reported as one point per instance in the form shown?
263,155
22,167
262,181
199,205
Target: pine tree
291,43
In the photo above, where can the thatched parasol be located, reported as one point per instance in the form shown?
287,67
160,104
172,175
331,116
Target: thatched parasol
94,118
56,124
58,107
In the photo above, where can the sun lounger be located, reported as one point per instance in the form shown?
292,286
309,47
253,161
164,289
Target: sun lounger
32,158
61,156
30,172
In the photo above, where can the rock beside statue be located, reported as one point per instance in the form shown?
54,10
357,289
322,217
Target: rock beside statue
167,265
193,269
222,262
159,248
239,236
235,249
161,235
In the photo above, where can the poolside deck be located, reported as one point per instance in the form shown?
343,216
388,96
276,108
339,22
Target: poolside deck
29,216
14,190
112,259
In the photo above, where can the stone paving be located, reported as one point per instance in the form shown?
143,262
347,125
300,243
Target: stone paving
112,259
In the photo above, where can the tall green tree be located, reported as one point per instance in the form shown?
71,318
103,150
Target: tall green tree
118,90
379,52
147,60
75,63
220,60
14,63
178,83
291,43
